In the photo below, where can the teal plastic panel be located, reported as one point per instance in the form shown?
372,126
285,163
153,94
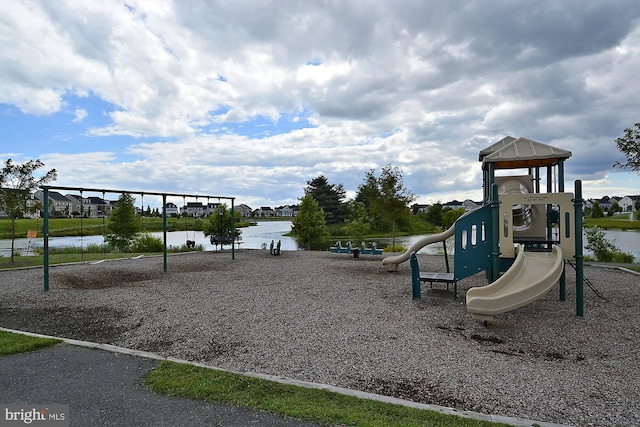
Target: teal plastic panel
473,243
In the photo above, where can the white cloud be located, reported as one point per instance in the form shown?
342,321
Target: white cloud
423,86
80,114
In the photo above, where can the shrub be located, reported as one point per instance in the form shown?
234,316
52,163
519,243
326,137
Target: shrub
147,243
389,248
605,250
185,248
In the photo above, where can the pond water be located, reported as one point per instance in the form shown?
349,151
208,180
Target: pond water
262,234
252,238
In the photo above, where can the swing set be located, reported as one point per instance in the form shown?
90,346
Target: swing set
82,190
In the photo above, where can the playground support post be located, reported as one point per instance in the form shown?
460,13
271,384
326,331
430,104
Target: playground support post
577,203
45,231
233,231
164,231
495,234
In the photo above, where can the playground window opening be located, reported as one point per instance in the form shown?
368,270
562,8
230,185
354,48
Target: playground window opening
505,225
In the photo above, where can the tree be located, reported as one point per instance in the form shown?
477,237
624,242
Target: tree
219,223
309,224
596,211
368,194
16,185
330,198
603,249
629,145
450,216
386,197
434,214
395,200
123,223
358,222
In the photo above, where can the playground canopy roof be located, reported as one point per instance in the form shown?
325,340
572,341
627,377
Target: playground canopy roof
513,153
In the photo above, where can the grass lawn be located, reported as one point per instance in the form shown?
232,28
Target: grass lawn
38,260
61,227
12,343
619,222
320,406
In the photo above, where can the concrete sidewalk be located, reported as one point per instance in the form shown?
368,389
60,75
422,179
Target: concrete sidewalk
107,389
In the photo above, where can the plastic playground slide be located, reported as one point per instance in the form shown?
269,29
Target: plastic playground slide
531,276
391,262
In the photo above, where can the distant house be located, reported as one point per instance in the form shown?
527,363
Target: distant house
454,204
96,207
245,211
211,207
59,205
171,209
77,204
418,208
264,211
605,202
32,201
470,205
588,204
286,211
628,203
195,209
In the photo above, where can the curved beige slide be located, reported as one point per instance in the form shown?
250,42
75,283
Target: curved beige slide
391,263
531,276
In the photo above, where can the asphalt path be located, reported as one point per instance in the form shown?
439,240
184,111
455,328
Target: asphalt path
107,389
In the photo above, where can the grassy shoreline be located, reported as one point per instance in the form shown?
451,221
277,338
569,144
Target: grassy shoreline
62,227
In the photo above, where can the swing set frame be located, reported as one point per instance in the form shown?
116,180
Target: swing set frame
45,228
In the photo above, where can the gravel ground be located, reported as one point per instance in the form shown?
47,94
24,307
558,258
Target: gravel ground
330,318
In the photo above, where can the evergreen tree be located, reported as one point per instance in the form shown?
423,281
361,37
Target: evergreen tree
596,211
330,198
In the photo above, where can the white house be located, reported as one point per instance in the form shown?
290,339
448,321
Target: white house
245,211
264,211
628,203
171,209
287,211
195,209
59,205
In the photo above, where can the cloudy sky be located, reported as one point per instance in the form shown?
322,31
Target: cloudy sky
252,99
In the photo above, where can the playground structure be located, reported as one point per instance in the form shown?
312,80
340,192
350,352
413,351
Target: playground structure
520,237
81,190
